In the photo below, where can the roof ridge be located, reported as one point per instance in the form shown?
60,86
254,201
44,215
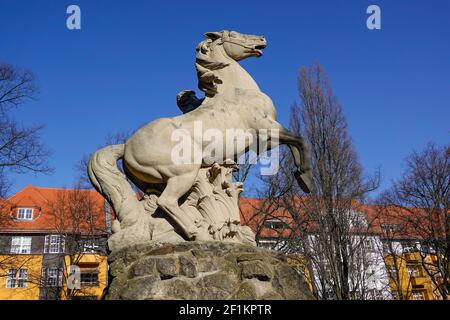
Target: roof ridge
35,189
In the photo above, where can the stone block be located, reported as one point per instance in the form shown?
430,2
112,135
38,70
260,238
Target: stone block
256,269
202,270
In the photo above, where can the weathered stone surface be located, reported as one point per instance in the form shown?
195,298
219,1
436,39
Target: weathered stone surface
256,269
212,294
140,288
188,267
249,257
167,267
246,291
272,295
117,267
146,266
285,281
161,250
175,289
206,265
202,270
116,287
220,280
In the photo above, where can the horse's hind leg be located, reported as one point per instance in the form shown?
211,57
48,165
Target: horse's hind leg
176,187
300,153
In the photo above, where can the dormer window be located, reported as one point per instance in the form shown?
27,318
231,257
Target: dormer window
390,228
25,213
275,224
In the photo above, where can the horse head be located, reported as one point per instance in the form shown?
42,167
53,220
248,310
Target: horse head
239,46
221,49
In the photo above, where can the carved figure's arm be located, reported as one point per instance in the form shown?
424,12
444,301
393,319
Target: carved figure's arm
188,101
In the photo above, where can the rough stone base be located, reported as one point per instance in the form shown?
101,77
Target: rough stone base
203,271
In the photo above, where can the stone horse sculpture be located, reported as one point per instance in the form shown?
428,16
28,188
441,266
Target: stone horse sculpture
232,100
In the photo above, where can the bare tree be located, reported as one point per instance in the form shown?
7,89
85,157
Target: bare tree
330,230
421,199
394,235
4,184
16,87
79,220
20,147
11,260
82,165
339,186
11,267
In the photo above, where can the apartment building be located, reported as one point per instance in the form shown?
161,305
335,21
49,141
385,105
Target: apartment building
53,246
50,238
389,261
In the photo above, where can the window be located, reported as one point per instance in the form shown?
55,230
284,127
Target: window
89,278
21,245
17,278
90,246
25,213
413,270
54,244
410,247
275,224
267,244
418,295
368,245
52,277
392,271
427,249
358,220
390,228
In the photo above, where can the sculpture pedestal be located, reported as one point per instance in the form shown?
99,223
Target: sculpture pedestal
202,271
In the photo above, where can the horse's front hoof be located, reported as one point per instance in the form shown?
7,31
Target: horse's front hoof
303,180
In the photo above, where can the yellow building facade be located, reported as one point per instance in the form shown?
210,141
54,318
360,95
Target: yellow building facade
22,277
86,285
20,286
408,279
38,252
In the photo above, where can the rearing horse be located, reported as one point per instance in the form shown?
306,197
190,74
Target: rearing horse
232,100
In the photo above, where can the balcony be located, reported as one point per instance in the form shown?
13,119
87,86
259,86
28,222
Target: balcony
412,257
419,281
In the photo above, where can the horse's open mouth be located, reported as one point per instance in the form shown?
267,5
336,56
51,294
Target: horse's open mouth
259,49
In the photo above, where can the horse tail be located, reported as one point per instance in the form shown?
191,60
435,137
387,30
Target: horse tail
110,182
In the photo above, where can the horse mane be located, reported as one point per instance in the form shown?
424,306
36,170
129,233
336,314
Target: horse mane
206,67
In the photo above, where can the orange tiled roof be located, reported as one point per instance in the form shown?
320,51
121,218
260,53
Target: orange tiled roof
47,204
252,214
405,219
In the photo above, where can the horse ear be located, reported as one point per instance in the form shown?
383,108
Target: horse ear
213,35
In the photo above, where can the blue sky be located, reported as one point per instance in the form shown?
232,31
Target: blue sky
131,58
